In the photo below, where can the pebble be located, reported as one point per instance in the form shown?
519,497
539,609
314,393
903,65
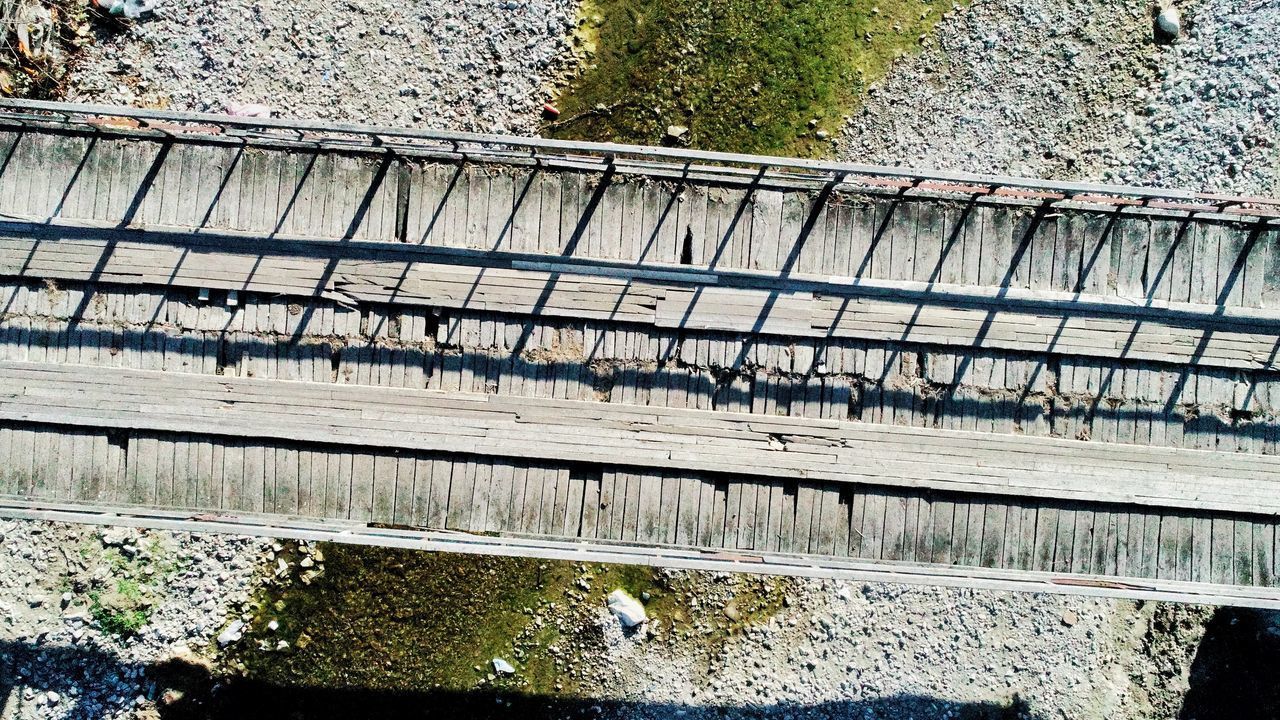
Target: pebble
1169,22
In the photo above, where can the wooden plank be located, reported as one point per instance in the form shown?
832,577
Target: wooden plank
872,524
973,538
1264,540
826,520
405,491
288,480
1150,547
1134,245
591,511
482,473
535,487
1018,536
894,528
573,504
1044,537
460,500
1245,570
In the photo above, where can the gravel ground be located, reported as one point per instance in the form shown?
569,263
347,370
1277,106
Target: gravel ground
1081,90
1045,88
470,65
1214,122
887,651
58,582
833,650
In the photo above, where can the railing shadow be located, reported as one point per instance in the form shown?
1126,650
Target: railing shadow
894,210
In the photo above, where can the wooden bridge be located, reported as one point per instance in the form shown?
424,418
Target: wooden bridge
565,350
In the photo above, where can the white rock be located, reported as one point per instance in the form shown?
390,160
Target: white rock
627,609
502,667
118,537
233,633
1169,21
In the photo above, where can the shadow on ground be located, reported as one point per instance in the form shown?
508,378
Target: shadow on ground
1236,672
1233,676
192,693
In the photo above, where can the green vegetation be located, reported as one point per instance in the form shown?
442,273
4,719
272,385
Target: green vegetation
400,620
389,619
121,612
742,75
122,605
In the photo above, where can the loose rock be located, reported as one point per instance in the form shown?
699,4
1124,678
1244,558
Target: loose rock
232,634
627,609
1169,23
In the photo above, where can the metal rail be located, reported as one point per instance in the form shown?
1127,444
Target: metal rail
192,125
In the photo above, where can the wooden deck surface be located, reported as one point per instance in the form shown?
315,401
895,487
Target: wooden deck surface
713,362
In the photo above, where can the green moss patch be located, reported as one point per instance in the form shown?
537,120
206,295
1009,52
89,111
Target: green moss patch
393,620
741,75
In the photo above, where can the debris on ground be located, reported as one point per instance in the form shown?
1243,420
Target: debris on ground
676,134
131,9
35,31
627,609
42,40
233,633
251,110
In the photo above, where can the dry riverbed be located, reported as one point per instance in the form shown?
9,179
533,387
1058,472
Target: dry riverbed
228,626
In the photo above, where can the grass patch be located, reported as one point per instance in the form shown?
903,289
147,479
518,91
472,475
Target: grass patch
121,603
122,611
742,75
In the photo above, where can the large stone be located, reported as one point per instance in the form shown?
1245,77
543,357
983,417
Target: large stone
119,537
627,609
234,632
1169,22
